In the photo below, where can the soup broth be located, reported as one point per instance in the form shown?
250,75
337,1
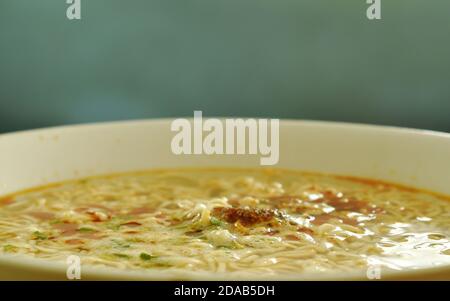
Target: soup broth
251,222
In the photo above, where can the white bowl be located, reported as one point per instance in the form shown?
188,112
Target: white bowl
412,157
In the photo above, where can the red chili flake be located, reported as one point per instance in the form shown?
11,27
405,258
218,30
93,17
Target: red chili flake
349,221
74,241
348,204
96,216
6,202
175,222
91,235
132,224
42,215
66,229
291,237
305,230
246,217
322,219
141,210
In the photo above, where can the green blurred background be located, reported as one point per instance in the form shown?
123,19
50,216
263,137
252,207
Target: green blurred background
312,59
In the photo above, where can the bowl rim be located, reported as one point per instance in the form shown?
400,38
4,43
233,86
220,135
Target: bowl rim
283,121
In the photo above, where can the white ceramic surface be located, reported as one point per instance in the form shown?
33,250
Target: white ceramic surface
412,157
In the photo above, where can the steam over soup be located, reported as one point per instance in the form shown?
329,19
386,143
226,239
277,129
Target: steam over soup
260,222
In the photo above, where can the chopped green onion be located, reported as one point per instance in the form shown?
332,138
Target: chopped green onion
55,221
114,227
85,229
9,248
216,222
145,256
121,255
39,235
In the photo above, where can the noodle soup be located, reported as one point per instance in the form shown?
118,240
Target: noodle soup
243,222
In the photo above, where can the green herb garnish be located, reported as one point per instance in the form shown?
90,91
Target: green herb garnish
55,222
39,235
10,248
114,227
216,222
145,256
85,229
115,222
120,255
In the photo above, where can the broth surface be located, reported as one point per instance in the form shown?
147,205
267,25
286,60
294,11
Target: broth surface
233,221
